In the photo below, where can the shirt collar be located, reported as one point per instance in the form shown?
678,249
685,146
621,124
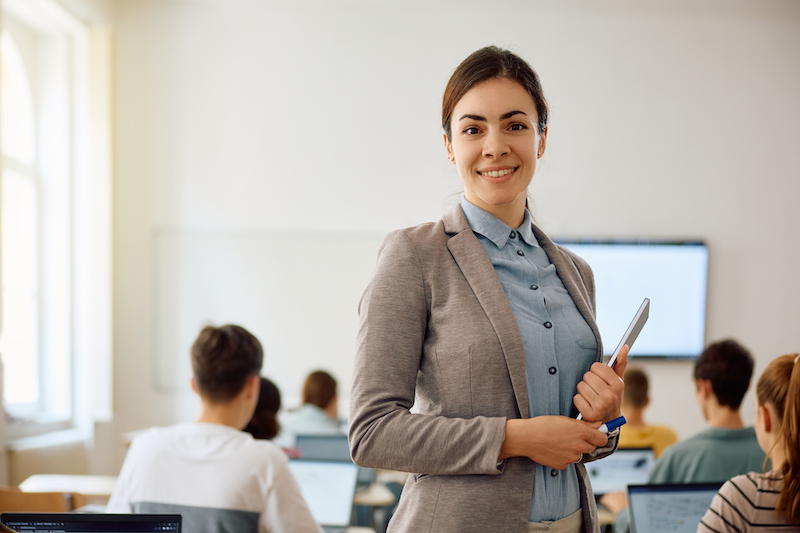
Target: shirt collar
493,228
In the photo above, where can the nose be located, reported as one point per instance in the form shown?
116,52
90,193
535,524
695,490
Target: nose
495,144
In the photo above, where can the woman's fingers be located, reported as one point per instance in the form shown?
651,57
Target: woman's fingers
553,441
599,395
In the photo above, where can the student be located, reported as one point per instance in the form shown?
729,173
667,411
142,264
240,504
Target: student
264,424
721,377
215,475
317,415
636,433
767,502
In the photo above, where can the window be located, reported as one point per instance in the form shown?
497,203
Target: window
55,191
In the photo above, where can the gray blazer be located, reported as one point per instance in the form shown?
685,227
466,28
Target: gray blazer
437,333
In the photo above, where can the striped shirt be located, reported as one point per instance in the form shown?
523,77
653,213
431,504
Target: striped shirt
747,504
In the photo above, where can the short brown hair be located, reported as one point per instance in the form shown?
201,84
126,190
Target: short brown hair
489,63
223,358
636,387
319,389
728,366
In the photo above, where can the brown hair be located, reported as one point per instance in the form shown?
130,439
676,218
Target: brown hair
728,366
485,64
264,424
780,386
223,358
636,385
319,389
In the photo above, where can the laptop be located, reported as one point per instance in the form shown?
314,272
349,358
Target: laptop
673,508
626,466
89,523
331,448
328,488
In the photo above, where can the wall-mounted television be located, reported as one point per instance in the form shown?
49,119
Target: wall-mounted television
673,274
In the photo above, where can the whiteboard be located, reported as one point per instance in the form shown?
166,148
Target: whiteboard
298,293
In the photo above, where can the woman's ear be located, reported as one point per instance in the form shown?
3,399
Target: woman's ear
448,146
766,417
542,144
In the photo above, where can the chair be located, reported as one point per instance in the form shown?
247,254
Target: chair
15,501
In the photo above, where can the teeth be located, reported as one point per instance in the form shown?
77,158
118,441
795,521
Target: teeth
497,173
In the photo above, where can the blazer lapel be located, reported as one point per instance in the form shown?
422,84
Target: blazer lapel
482,278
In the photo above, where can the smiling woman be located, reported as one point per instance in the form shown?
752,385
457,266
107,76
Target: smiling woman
488,329
496,146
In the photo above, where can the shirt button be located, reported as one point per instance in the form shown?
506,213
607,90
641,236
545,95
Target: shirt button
512,234
534,287
552,370
520,252
548,325
553,473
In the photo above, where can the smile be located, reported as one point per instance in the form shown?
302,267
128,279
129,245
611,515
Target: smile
498,173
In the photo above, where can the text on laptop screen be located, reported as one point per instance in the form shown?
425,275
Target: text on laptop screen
91,523
622,468
669,508
328,488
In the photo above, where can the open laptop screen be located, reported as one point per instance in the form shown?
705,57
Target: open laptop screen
626,466
328,488
90,523
323,447
673,508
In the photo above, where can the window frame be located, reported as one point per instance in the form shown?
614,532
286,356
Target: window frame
83,383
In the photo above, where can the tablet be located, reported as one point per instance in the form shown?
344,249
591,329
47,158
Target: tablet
633,330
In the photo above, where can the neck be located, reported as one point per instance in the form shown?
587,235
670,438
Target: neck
225,414
777,457
511,214
634,417
723,417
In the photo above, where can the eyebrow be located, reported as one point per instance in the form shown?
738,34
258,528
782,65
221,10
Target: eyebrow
502,117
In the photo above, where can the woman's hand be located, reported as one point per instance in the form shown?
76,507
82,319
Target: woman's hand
599,397
553,441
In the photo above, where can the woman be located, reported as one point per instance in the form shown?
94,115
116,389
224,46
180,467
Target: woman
771,501
488,332
317,415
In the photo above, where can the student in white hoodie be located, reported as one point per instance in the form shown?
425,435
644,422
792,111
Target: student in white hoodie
218,477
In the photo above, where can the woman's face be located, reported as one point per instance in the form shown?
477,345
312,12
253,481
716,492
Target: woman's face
495,144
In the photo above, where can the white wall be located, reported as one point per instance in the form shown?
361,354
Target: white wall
669,119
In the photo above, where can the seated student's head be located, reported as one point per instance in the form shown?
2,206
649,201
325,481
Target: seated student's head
635,397
724,368
320,390
264,424
226,362
778,427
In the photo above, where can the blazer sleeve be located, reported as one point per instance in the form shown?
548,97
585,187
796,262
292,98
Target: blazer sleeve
393,316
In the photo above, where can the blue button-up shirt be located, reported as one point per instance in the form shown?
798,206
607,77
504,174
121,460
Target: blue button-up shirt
559,345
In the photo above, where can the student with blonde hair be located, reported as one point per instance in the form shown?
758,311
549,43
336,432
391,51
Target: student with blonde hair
771,501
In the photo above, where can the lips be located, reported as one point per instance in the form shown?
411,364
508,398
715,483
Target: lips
497,173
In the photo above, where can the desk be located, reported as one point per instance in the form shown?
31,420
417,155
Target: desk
95,487
376,495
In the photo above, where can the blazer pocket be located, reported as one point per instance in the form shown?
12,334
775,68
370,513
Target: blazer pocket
491,393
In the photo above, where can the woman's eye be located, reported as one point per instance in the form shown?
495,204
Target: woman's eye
518,127
472,130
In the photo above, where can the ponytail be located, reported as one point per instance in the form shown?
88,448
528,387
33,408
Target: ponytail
789,499
779,385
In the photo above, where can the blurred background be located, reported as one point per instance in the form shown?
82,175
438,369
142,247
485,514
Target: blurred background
168,163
